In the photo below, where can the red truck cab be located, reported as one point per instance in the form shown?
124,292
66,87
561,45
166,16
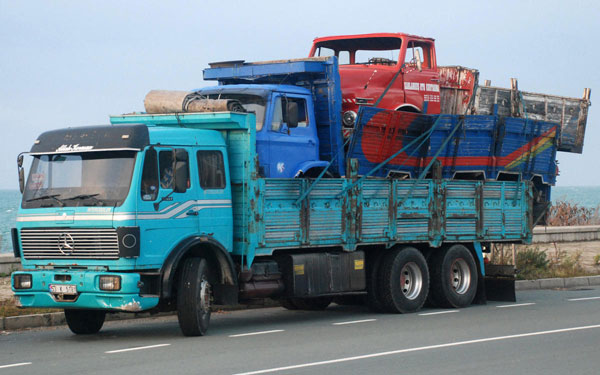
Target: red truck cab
370,62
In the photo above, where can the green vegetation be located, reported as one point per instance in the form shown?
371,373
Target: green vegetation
565,213
8,308
533,263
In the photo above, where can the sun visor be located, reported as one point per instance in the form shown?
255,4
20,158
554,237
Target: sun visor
92,138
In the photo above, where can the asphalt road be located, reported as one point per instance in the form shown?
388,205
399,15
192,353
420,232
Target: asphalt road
545,332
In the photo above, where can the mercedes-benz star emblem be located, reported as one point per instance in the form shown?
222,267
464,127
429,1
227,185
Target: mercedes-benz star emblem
66,244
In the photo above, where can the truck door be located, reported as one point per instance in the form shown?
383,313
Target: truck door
421,85
291,146
165,217
214,206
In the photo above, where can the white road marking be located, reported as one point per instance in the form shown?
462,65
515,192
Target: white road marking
417,349
440,312
516,305
257,333
16,365
583,299
354,322
136,348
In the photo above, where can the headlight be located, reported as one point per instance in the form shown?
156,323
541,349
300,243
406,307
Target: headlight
110,283
349,118
129,242
22,281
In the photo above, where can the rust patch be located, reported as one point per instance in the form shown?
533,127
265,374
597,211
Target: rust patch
133,306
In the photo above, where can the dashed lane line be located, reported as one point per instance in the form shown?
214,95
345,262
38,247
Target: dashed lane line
136,348
583,299
15,365
257,333
439,312
516,305
354,322
417,349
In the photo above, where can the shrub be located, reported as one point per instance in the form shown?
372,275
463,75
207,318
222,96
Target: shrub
565,213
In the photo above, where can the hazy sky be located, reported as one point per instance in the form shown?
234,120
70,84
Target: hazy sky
72,63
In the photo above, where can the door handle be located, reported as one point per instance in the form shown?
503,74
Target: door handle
192,213
435,79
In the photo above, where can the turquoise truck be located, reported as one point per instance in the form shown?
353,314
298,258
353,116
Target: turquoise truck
176,211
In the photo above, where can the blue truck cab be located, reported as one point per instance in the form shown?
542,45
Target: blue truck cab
96,195
284,150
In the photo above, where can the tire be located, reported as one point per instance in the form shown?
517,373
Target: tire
85,322
454,277
288,304
313,303
194,297
403,280
373,299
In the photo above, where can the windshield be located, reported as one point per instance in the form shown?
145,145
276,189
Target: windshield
251,103
79,179
362,51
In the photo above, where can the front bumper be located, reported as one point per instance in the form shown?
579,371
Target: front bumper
89,295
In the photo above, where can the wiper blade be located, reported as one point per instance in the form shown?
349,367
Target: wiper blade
52,196
82,196
86,196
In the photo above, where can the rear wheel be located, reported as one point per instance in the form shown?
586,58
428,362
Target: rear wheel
404,280
85,322
454,277
194,297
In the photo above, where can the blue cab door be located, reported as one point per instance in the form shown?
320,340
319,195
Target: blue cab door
289,147
165,217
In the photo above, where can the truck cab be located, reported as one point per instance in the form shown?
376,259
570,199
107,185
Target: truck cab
109,211
286,133
400,65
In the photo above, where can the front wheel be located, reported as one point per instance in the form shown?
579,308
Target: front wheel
454,277
194,297
85,322
404,280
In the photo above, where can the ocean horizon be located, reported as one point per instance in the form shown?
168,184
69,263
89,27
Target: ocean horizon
585,196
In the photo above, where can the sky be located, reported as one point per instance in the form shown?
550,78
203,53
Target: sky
73,63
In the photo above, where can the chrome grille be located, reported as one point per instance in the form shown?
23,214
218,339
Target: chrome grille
70,243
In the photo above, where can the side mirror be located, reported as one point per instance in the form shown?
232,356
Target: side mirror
291,114
21,173
418,58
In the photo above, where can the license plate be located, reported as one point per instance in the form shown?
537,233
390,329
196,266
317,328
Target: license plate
63,289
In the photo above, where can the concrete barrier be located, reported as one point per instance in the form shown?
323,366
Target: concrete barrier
9,263
566,234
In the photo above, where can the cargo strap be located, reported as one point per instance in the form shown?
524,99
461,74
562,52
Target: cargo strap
423,137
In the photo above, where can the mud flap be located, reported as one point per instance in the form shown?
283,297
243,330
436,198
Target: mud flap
500,283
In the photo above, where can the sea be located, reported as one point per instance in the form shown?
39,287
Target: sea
586,196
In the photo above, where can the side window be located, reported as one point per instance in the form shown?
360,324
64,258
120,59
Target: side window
302,113
279,112
344,57
423,49
149,188
211,169
165,159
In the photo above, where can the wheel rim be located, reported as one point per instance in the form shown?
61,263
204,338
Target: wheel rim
461,276
411,280
204,300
